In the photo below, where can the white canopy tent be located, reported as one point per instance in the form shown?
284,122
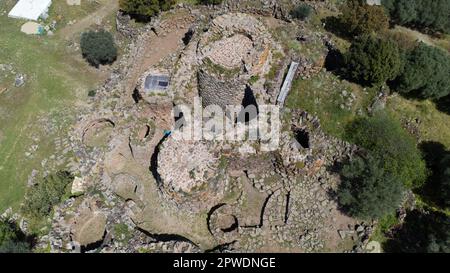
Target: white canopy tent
30,9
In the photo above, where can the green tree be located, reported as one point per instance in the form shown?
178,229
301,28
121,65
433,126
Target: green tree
367,190
12,240
40,198
422,232
301,12
98,47
210,2
360,18
426,73
371,60
144,10
402,12
425,15
385,138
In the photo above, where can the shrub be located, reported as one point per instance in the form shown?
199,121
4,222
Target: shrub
144,10
92,93
367,190
384,138
426,73
301,12
12,240
98,47
41,198
211,2
372,60
359,18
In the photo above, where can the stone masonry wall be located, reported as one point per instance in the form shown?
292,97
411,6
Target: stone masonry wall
214,91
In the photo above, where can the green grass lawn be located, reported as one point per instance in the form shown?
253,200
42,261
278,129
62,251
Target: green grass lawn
56,80
63,14
434,125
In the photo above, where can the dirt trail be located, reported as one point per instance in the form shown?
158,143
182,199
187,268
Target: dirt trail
107,8
416,34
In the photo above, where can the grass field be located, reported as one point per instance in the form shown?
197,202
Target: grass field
57,79
336,102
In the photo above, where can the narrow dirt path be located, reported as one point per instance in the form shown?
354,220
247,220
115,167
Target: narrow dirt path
108,7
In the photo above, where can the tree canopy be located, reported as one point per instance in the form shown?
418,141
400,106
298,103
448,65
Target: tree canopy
98,47
367,190
371,60
384,137
360,18
143,10
301,12
426,73
433,15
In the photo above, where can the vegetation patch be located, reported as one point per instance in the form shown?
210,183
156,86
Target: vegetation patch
336,102
41,198
98,47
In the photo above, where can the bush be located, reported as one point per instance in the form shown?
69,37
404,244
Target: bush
98,47
426,73
422,232
41,198
211,2
144,10
420,14
384,138
372,60
92,93
12,240
359,18
367,190
301,12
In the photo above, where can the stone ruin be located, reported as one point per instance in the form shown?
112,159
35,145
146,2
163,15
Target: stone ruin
188,172
235,48
178,195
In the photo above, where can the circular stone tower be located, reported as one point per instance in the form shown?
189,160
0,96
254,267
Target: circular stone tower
233,50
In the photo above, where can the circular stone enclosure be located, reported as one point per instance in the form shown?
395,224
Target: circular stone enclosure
98,132
186,165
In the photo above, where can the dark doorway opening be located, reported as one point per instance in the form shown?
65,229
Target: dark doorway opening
302,137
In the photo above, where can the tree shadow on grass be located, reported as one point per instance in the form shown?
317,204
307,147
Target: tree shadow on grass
335,25
443,105
433,153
